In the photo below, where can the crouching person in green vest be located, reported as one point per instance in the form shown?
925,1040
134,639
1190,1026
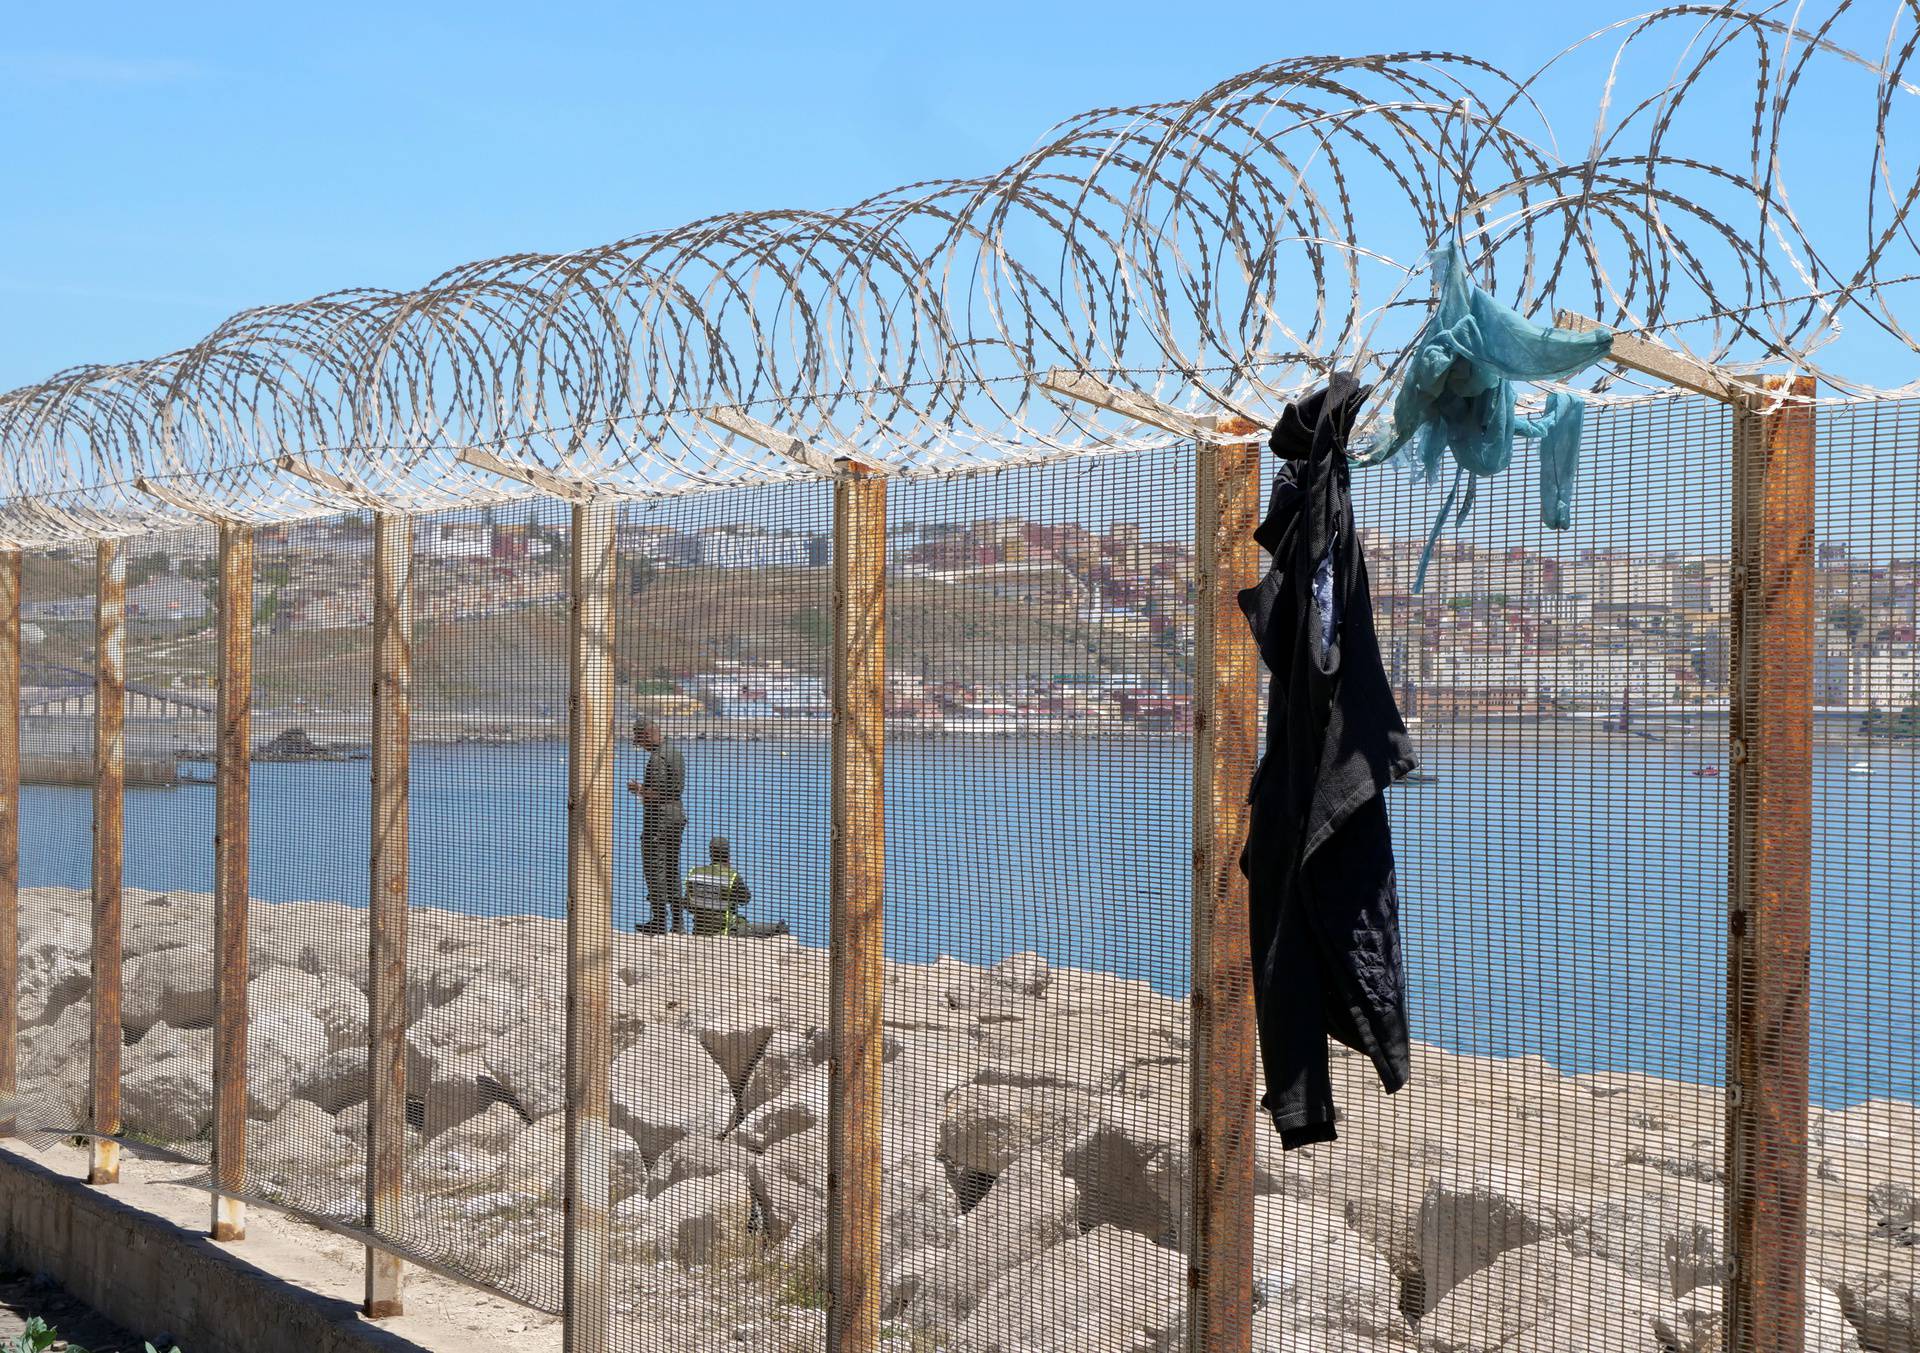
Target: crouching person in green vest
717,894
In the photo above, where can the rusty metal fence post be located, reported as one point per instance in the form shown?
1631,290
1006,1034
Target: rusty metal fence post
109,806
387,906
1223,1093
1770,857
588,1294
10,577
233,711
856,978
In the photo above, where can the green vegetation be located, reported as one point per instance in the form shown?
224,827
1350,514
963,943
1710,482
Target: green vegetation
148,567
813,624
1848,620
40,1336
1901,723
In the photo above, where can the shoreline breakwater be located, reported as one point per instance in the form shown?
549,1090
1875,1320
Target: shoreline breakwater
1034,1137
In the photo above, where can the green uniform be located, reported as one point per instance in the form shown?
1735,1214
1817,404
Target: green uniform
662,823
715,894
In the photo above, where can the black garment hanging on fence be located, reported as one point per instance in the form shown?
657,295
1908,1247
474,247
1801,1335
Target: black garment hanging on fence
1319,853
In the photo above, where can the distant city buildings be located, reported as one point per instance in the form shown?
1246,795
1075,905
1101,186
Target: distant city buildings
1063,620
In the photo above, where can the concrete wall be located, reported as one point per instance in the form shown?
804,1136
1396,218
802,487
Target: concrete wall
152,1276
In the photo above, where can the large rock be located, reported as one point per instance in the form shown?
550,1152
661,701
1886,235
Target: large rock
530,1066
666,1087
151,922
1107,1289
788,1058
285,1051
734,1036
789,1185
1131,1172
1670,1240
1542,1298
337,1081
985,1128
482,1015
1880,1296
492,1132
699,1221
535,1163
696,1158
1828,1330
1468,1219
1695,1323
301,1135
169,1093
800,1109
917,1205
324,938
54,1050
339,1006
1030,1209
1026,974
1279,1332
1310,1265
54,961
170,985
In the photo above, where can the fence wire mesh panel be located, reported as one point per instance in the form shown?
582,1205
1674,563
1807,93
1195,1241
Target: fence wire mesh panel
486,970
1644,913
1551,1178
1864,1141
1039,866
307,919
56,854
722,616
166,1009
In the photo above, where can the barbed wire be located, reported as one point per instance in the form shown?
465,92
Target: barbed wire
1215,255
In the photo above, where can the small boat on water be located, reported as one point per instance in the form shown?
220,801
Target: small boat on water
1705,772
1860,768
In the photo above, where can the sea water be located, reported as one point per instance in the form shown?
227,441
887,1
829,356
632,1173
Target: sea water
1562,897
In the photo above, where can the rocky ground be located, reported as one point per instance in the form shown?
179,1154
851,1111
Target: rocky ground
1035,1146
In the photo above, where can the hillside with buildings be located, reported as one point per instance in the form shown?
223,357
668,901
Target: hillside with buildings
994,623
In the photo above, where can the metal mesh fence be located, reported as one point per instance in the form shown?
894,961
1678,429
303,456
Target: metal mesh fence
166,1007
56,819
1559,1173
1040,647
719,1101
1864,1138
307,927
1551,1176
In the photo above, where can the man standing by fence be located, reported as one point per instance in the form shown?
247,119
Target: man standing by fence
663,821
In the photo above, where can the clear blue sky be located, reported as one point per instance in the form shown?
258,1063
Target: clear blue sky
169,164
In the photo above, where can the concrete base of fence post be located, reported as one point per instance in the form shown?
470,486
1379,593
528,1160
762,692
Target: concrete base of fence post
103,1162
229,1218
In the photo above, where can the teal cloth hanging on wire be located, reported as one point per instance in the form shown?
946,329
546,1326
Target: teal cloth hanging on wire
1458,396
